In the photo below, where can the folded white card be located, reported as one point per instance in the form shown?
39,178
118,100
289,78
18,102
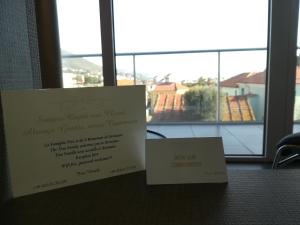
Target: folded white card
60,137
185,160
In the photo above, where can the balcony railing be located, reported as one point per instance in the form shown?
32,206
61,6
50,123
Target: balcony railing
218,52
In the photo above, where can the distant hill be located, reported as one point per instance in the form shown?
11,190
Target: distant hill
83,66
80,64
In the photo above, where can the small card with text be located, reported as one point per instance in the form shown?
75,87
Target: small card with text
185,160
60,137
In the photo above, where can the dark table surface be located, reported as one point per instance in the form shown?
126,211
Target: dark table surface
250,197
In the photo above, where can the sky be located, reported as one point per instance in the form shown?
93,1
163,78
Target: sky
172,25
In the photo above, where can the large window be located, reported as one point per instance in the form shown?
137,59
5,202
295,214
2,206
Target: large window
204,63
201,61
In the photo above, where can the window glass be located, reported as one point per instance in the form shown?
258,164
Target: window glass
80,42
201,61
297,88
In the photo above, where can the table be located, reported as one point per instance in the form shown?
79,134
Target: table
251,197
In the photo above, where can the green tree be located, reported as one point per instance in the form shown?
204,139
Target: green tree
201,82
200,102
91,79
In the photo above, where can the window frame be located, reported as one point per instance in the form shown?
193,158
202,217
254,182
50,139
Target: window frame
281,68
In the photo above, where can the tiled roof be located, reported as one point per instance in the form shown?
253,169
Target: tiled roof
245,78
252,78
168,107
168,86
237,108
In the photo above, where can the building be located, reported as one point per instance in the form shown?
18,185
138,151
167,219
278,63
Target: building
252,87
249,85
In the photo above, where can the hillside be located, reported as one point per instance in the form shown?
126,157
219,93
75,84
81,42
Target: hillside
80,64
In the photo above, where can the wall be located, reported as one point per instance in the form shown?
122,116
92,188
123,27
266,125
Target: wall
19,64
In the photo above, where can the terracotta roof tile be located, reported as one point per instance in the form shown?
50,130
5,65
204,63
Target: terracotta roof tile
233,81
245,78
252,78
165,87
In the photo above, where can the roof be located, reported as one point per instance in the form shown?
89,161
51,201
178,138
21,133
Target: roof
252,78
170,86
167,86
180,86
245,78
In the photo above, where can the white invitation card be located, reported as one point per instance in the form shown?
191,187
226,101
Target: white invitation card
60,137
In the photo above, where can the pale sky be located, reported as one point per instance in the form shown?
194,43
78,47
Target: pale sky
172,25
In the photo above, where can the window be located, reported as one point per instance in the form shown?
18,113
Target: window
204,63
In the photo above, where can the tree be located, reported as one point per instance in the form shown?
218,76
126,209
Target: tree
202,81
200,102
92,80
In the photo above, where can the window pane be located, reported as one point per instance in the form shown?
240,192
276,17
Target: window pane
125,76
79,26
297,94
80,42
186,52
296,127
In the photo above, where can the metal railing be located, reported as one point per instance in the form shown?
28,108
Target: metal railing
136,54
